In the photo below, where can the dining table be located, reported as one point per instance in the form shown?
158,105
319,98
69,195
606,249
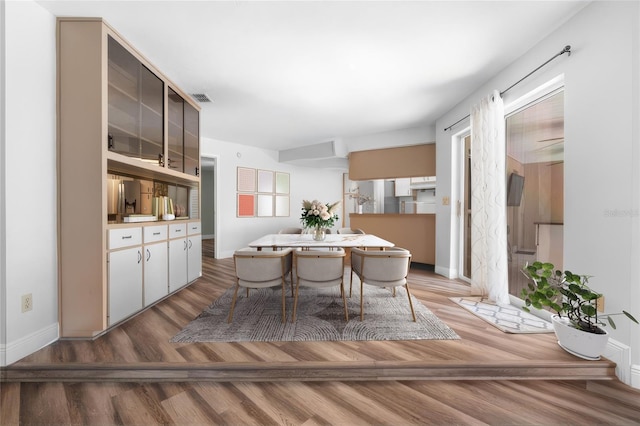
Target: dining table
276,241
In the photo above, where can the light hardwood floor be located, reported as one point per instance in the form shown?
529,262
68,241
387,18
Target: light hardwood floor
133,375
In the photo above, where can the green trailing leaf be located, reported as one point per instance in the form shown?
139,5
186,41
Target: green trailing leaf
631,317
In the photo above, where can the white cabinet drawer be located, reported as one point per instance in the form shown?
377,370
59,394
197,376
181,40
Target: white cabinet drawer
155,233
178,230
193,228
124,237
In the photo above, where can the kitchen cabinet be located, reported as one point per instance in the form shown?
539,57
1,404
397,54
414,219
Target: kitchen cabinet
124,273
156,256
178,251
403,187
194,251
112,120
136,110
184,147
185,254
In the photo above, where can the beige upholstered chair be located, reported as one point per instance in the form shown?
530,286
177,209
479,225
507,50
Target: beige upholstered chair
261,269
350,231
290,231
381,268
319,269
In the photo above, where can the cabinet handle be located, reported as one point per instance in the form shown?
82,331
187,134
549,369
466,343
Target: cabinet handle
148,255
156,233
185,244
190,244
197,171
139,256
127,237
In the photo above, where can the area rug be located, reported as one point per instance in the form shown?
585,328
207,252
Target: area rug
320,317
509,319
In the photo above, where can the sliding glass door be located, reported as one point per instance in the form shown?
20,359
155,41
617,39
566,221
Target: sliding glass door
535,186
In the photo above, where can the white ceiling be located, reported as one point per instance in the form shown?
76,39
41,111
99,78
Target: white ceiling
286,74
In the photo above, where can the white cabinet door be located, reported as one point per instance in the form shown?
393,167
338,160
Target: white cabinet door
177,263
156,281
125,283
194,257
402,187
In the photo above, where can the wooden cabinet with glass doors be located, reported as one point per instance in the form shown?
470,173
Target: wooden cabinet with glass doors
115,118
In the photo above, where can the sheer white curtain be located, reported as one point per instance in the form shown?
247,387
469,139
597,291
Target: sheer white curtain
489,272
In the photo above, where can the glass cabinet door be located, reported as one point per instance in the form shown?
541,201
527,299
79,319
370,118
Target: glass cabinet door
191,140
135,113
151,116
175,160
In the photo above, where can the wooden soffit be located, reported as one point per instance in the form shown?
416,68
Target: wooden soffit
389,163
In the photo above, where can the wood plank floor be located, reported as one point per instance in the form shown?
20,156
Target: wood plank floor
133,375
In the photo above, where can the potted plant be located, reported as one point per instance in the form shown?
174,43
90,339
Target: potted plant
577,324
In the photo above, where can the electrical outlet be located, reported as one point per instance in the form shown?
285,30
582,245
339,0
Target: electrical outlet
27,302
600,304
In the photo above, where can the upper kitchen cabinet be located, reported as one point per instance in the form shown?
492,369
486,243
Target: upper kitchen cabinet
191,140
184,140
136,107
117,99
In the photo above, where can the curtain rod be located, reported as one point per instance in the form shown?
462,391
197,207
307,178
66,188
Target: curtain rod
566,49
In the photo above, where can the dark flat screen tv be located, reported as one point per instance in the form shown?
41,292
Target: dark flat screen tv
514,189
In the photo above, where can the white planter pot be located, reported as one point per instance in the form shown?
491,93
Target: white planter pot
577,342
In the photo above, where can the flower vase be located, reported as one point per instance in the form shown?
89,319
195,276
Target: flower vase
318,233
360,208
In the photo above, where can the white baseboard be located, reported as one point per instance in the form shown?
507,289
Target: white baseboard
621,355
446,272
18,349
635,376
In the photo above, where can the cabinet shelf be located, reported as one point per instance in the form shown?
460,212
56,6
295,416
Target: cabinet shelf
118,163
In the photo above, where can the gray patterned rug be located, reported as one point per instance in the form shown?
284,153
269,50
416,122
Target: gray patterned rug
509,319
320,317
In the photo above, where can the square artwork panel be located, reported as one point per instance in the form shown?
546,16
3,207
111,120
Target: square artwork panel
246,205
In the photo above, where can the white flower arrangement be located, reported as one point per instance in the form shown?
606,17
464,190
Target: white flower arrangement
319,215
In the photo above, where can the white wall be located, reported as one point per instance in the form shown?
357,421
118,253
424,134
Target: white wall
602,182
29,182
232,232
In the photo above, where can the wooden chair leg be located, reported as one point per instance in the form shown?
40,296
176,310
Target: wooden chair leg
233,303
361,300
351,283
291,278
413,313
284,292
344,301
295,302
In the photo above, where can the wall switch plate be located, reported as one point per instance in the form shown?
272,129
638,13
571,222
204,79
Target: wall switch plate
445,201
27,302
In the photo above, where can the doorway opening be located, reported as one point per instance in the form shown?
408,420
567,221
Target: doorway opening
208,208
535,186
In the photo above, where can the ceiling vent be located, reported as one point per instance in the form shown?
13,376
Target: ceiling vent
201,97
